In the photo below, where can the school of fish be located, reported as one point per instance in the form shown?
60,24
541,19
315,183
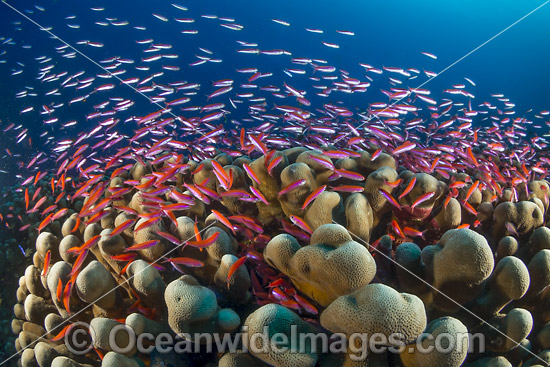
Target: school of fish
144,110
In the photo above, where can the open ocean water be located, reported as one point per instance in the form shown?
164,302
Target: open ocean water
80,80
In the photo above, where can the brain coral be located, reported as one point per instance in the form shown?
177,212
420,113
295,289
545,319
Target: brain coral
332,265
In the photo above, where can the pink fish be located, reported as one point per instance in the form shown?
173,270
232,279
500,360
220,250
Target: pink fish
314,196
186,261
323,162
350,175
46,263
251,173
122,227
79,262
290,187
411,232
305,304
219,216
237,264
405,147
348,188
220,91
169,237
202,243
142,246
422,198
259,195
299,222
389,198
408,189
273,163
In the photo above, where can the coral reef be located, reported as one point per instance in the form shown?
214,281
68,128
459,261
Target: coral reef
288,238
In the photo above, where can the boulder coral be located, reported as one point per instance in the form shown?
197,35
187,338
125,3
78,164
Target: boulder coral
192,308
332,265
457,280
278,320
325,241
452,342
377,309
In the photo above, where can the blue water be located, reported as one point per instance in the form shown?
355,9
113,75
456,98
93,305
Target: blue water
386,34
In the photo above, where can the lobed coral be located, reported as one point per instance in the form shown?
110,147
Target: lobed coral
295,237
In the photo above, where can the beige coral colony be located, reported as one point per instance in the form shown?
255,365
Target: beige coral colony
188,193
324,275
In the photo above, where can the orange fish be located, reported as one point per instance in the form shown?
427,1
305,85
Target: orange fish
59,197
46,263
219,216
313,196
300,223
234,268
197,232
305,304
471,156
185,261
62,333
76,225
147,223
204,243
408,189
251,173
59,290
79,262
471,190
67,296
142,246
45,222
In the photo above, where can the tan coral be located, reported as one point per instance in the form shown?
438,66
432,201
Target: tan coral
507,331
236,289
146,281
151,233
490,362
331,266
66,244
317,167
507,246
105,331
368,165
378,180
423,185
193,308
452,337
509,281
274,319
536,189
376,308
525,216
325,209
359,216
269,187
292,201
69,225
235,204
539,240
539,273
450,216
95,285
239,359
459,280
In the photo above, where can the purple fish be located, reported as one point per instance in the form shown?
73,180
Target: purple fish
291,187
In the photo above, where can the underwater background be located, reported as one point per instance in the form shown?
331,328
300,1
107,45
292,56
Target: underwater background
274,53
